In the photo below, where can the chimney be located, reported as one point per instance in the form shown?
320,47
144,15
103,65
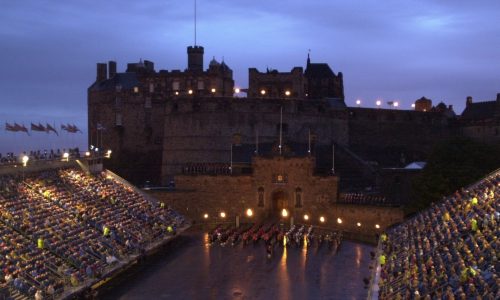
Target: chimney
469,101
112,68
102,72
450,107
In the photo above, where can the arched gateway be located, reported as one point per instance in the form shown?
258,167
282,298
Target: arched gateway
279,202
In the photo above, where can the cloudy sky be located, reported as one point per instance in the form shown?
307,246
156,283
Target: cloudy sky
390,50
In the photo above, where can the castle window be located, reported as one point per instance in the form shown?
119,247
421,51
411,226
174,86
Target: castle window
201,85
136,89
118,119
151,88
260,196
148,104
176,85
237,139
298,197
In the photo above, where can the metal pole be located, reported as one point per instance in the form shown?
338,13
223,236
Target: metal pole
281,127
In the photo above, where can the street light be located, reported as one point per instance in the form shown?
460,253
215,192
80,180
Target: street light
284,213
263,92
222,214
108,154
66,156
190,92
377,226
413,105
396,104
205,216
87,153
25,160
287,93
339,220
358,224
306,217
378,103
249,212
213,90
358,102
322,219
237,90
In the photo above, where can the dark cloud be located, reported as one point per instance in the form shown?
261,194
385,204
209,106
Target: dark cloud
444,50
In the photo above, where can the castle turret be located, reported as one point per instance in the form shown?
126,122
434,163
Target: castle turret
195,58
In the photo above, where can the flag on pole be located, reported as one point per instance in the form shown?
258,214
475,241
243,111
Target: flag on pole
22,128
49,128
10,127
38,127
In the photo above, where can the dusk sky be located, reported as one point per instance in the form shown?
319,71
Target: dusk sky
390,50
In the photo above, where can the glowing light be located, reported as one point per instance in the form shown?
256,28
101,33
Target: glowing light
213,90
249,212
284,213
339,220
205,216
358,224
108,154
358,102
222,214
66,156
287,93
263,92
87,153
378,102
190,92
377,226
177,93
322,219
306,217
25,160
237,90
413,105
396,104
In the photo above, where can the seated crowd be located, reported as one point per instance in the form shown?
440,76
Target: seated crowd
206,169
60,229
449,251
363,199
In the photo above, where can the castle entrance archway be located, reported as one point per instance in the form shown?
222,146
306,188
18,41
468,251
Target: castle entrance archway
279,202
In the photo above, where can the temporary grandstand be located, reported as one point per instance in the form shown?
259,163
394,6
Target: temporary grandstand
65,231
449,251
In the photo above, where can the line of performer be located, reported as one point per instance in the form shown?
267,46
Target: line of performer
273,235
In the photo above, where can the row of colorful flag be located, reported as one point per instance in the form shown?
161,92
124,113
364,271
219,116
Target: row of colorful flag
71,128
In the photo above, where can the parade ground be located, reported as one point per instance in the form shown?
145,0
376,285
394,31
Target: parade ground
191,268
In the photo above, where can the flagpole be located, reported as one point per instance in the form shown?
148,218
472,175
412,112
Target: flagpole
231,164
281,127
333,158
309,140
256,141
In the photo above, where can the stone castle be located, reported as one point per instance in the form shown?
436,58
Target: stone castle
166,125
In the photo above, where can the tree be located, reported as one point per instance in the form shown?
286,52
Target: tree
453,164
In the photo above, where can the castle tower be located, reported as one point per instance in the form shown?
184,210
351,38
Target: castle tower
195,58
